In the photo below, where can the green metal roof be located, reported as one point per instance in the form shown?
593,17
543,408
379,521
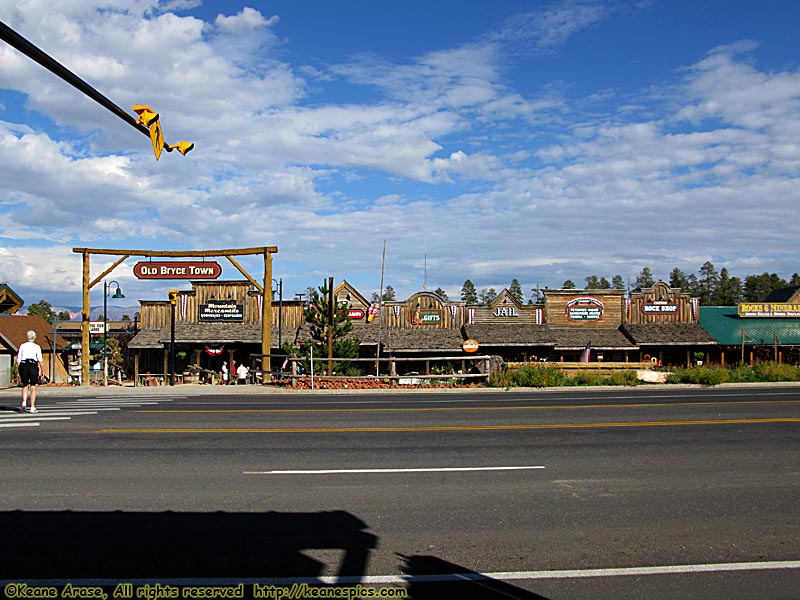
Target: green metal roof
725,324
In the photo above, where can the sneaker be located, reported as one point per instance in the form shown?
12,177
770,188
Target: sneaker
33,410
23,408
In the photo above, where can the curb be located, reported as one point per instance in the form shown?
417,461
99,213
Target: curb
259,390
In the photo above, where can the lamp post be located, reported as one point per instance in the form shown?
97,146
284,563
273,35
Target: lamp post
53,361
117,294
280,310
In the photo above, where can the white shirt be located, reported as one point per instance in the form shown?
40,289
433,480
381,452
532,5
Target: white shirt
242,371
29,350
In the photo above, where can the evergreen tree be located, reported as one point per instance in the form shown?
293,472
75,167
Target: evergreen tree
758,287
795,280
677,279
568,285
692,285
592,283
388,295
728,291
441,293
516,290
644,279
618,282
317,315
708,282
468,293
487,296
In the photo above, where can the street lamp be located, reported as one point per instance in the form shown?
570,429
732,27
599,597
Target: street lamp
280,310
117,294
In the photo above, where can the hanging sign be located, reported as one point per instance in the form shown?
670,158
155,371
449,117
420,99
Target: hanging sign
355,313
177,270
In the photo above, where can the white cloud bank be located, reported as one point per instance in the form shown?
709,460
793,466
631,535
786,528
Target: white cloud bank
444,156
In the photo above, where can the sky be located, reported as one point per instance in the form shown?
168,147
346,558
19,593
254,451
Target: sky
531,140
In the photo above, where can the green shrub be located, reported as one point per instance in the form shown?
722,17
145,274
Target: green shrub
538,377
772,371
704,375
700,376
501,379
622,378
585,378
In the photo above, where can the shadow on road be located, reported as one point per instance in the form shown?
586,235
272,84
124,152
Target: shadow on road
431,578
167,545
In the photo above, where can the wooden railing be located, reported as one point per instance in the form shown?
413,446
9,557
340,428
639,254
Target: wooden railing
388,368
571,367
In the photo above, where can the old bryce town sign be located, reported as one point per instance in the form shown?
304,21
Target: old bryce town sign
177,269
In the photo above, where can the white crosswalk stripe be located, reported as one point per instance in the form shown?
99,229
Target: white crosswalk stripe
65,410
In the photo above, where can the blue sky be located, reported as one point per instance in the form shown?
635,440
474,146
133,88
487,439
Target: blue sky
541,141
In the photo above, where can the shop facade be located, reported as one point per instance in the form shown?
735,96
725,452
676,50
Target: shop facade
219,322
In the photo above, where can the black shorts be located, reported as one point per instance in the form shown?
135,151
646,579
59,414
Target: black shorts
29,373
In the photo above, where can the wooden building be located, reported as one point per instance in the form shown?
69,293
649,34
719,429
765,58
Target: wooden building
219,321
13,333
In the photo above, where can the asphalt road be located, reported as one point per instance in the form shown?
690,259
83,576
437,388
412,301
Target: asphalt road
657,493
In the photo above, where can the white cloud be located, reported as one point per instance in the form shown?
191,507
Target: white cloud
443,154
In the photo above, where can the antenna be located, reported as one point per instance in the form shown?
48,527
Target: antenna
425,283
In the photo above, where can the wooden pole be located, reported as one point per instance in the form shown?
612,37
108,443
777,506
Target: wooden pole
331,300
85,322
266,317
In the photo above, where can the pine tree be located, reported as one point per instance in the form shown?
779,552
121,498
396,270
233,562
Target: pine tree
644,279
592,283
317,315
468,293
388,295
758,287
677,279
515,289
729,290
708,282
487,296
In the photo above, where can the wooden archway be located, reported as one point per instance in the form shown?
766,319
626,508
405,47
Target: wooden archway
88,284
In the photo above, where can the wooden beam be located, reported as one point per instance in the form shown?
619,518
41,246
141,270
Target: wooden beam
180,253
246,274
99,278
